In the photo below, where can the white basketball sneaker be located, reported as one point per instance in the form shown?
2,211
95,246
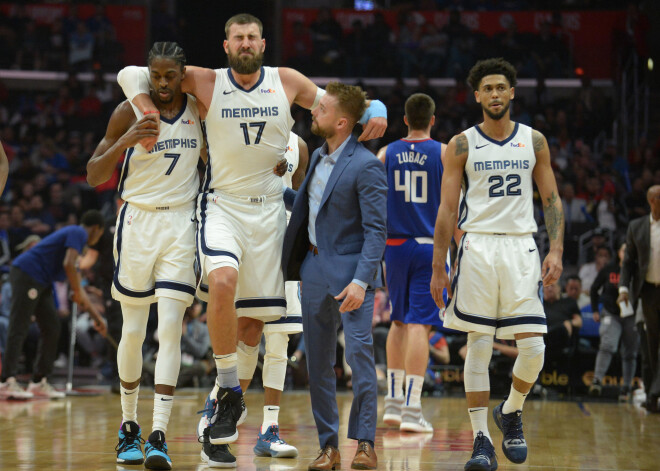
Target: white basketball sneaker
412,420
392,415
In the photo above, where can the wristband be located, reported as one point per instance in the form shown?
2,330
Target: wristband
151,112
376,109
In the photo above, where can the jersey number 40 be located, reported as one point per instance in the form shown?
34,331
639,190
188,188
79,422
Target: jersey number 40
414,185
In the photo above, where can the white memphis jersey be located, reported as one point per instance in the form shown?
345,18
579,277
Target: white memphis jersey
247,133
167,176
292,157
498,183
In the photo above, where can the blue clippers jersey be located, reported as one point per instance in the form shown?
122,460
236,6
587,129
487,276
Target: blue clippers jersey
414,174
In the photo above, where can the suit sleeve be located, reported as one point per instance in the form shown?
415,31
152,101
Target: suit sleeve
629,259
372,196
598,282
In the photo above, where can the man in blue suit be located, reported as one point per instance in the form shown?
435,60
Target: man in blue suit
334,245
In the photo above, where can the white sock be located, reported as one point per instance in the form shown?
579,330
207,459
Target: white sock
271,415
414,385
129,400
479,419
395,383
514,402
162,410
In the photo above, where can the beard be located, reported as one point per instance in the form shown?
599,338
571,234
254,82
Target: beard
245,65
317,131
496,116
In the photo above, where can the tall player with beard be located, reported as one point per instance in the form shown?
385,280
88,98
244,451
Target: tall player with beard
154,242
497,289
240,211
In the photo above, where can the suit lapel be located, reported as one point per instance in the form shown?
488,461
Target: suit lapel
645,238
342,162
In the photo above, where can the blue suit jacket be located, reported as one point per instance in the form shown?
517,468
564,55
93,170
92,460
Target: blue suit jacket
351,227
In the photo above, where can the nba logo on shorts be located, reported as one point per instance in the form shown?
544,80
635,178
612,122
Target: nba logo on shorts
130,219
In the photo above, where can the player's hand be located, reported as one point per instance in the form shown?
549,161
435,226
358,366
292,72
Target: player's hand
281,167
374,129
80,298
596,316
440,282
144,132
623,298
551,268
353,296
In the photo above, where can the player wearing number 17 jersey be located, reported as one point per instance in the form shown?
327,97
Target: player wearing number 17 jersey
414,168
497,287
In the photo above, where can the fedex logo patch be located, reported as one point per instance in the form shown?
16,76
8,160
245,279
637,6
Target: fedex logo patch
266,90
517,144
187,121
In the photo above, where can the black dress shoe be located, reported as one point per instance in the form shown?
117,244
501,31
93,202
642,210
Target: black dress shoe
652,405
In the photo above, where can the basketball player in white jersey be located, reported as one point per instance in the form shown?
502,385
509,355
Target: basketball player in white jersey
497,289
155,239
276,334
241,213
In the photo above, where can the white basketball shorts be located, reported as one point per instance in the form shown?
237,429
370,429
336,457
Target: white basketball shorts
245,233
154,254
497,288
291,323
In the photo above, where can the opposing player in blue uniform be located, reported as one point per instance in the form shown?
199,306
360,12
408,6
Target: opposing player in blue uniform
414,173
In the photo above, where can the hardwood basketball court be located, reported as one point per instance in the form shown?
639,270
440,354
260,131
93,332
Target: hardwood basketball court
80,433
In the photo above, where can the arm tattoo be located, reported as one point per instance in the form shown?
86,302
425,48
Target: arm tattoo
554,218
537,141
461,144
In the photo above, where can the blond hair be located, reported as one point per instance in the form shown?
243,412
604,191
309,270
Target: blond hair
243,19
351,99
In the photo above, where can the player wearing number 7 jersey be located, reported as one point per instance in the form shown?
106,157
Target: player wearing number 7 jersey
154,244
497,289
414,168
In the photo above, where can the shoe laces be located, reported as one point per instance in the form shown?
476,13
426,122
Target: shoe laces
128,442
364,447
272,435
159,443
210,407
512,424
213,448
482,446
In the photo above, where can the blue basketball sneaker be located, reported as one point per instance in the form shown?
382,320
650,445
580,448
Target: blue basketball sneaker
270,444
483,455
129,448
514,445
156,452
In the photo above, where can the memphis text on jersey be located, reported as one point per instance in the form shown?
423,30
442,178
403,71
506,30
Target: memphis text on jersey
501,165
255,112
174,143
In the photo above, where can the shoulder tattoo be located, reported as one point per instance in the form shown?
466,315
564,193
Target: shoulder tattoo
461,144
537,141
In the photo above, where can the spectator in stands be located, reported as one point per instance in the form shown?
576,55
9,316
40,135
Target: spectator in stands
438,350
589,271
575,208
326,36
573,290
563,318
617,322
299,48
81,48
195,348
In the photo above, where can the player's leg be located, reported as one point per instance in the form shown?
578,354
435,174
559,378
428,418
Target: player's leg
397,260
477,393
508,415
417,358
521,316
629,349
610,332
396,373
129,364
168,363
269,442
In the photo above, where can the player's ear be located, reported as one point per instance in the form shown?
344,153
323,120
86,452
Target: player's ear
183,72
225,46
476,96
513,92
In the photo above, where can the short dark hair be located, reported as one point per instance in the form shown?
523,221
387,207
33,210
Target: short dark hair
243,19
169,50
574,277
419,110
92,218
493,66
351,99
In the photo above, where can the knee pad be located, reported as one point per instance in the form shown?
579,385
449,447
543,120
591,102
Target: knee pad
247,360
274,371
529,363
129,352
170,318
479,352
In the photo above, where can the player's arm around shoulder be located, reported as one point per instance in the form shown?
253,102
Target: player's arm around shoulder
553,210
200,82
298,88
123,131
